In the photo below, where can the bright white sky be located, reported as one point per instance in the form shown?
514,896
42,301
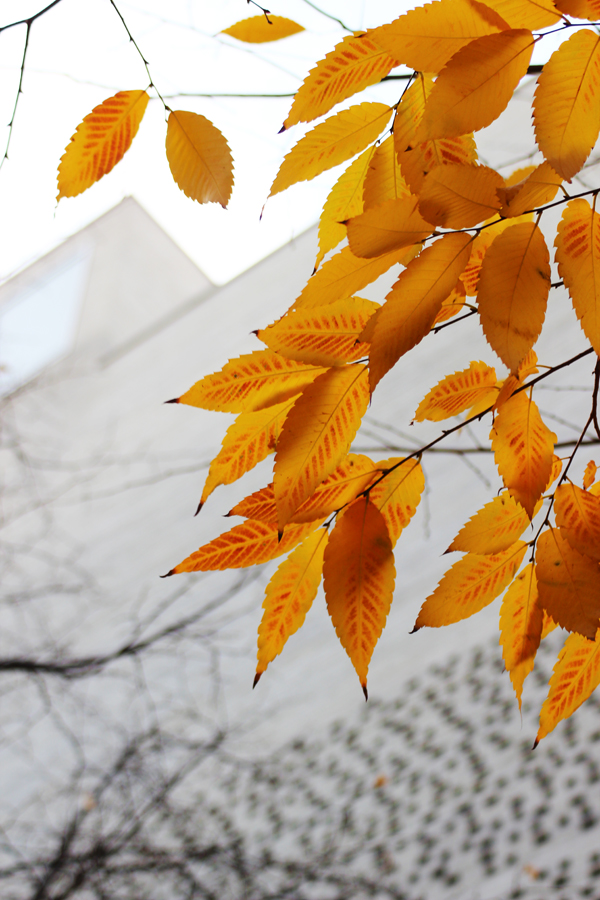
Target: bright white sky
80,54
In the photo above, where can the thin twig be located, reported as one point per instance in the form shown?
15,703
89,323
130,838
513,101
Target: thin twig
329,16
142,57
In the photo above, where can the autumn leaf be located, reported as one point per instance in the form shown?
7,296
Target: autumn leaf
358,574
513,292
578,516
532,14
383,180
289,596
332,142
469,586
589,476
536,189
494,528
199,158
576,675
452,305
566,110
578,257
100,142
410,112
398,495
581,9
459,196
521,622
458,392
393,225
344,201
414,301
481,244
353,64
568,583
324,336
317,435
251,382
260,29
417,162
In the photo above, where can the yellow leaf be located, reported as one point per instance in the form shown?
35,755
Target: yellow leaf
576,675
513,292
458,392
578,256
476,84
393,225
199,158
414,302
536,189
352,65
248,441
470,276
332,142
247,544
349,478
398,494
383,180
532,14
325,336
523,448
578,517
260,30
416,163
589,476
569,584
452,305
567,103
100,142
410,112
359,574
581,9
425,38
289,596
549,625
344,274
317,435
458,196
521,622
251,382
469,586
494,528
344,201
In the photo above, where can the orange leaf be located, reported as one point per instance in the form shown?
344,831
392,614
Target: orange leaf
513,292
260,30
410,112
494,528
415,300
470,276
199,158
383,180
536,189
417,162
352,65
317,435
581,9
457,196
344,201
452,305
393,225
578,256
523,448
532,14
589,476
247,544
289,596
458,392
569,584
576,675
566,110
521,622
324,336
359,575
251,382
469,586
578,517
398,494
100,142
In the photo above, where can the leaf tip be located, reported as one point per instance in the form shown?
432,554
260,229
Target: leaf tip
365,691
200,505
282,129
415,629
256,679
174,400
170,572
535,743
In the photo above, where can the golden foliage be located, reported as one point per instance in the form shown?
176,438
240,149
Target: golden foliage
199,158
459,196
494,528
576,675
521,623
578,257
568,583
260,29
458,392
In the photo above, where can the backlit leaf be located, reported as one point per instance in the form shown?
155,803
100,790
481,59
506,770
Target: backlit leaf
199,158
537,188
353,64
578,516
581,9
469,586
480,246
568,583
398,494
317,435
410,112
476,84
247,544
458,196
416,163
344,201
246,443
383,180
513,292
589,476
332,142
260,30
567,103
523,448
393,225
494,528
521,621
415,300
100,141
359,574
251,382
578,257
289,596
532,14
452,305
324,336
458,392
576,675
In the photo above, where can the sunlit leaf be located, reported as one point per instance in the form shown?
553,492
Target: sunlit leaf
199,158
581,9
480,246
410,112
417,162
452,305
589,476
494,528
458,196
536,189
344,201
578,516
532,14
383,180
260,29
393,225
398,495
457,392
578,257
521,622
568,583
576,675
